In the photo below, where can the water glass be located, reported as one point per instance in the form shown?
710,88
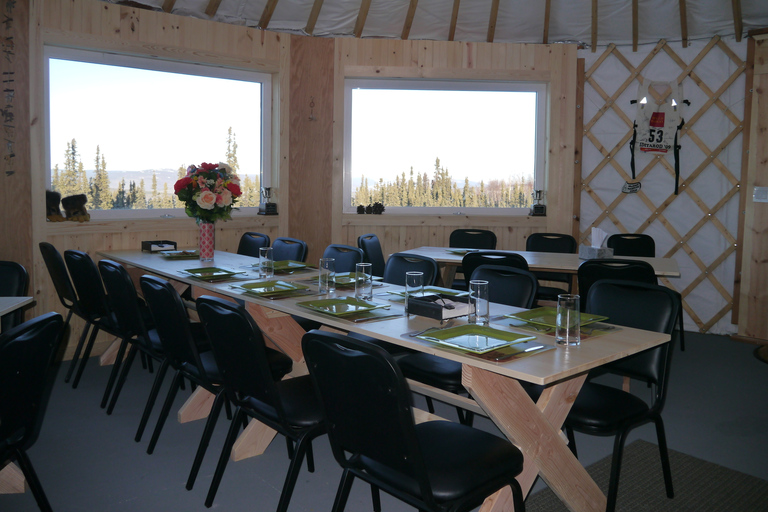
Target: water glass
479,306
364,281
568,322
266,263
414,286
327,281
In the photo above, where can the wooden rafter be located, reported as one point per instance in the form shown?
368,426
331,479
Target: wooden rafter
266,15
409,19
361,17
313,15
212,7
683,24
738,26
594,26
635,29
492,20
547,9
454,19
168,5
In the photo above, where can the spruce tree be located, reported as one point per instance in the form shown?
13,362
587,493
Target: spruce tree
68,179
101,197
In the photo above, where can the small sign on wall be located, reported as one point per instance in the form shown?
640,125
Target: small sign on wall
760,195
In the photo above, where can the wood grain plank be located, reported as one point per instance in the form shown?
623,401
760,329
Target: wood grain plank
313,15
409,19
362,15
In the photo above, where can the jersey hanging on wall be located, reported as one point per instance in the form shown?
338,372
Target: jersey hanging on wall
658,122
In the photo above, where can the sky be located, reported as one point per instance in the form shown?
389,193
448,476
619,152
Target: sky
476,134
145,119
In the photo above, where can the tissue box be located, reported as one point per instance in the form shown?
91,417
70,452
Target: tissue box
431,306
158,245
587,252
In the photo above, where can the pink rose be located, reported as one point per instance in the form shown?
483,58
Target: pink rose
206,200
225,198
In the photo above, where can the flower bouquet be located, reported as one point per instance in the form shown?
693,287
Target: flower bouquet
209,193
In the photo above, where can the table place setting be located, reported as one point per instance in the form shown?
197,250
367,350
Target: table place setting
212,274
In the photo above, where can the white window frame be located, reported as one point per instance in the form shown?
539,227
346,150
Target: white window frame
542,140
156,64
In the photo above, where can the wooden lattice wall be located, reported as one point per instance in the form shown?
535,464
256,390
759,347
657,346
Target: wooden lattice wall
699,226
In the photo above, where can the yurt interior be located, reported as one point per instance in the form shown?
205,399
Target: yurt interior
406,119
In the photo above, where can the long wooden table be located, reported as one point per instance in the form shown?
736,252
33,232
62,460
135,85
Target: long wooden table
495,386
449,259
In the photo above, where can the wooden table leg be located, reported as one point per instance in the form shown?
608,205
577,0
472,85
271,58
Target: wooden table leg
535,429
12,480
446,276
197,406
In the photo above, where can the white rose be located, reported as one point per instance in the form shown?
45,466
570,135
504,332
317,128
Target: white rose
206,200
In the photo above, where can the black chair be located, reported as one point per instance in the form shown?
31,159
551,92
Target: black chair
133,323
372,249
400,263
507,285
284,248
632,244
93,303
251,242
188,352
434,466
470,239
473,260
346,256
603,410
591,271
288,406
27,371
65,290
552,242
14,282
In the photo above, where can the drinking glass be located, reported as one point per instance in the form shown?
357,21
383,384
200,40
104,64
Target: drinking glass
568,322
479,307
364,281
266,263
414,285
327,282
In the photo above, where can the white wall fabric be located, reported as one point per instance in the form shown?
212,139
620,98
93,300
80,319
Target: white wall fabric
711,186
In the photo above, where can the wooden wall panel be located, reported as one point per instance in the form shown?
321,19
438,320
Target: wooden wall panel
311,142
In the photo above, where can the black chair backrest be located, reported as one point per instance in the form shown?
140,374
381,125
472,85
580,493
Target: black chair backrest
400,263
551,242
57,269
632,244
366,404
285,248
87,281
171,321
251,242
346,256
14,282
508,285
123,300
371,247
643,306
472,239
591,271
240,353
472,260
27,354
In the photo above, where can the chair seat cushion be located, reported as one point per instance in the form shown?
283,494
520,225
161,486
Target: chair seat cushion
606,409
460,460
279,363
299,402
432,370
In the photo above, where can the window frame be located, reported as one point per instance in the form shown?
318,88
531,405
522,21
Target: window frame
98,56
541,88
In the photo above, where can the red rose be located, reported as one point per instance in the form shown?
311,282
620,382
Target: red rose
234,188
181,184
209,167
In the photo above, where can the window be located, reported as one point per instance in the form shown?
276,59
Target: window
434,146
123,129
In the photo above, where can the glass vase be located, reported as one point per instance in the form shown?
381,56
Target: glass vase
206,240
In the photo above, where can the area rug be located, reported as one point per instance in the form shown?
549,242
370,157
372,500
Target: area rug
699,486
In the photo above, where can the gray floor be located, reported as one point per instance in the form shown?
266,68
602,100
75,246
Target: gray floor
717,410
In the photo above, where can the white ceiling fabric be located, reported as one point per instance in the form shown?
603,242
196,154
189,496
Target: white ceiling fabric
519,21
